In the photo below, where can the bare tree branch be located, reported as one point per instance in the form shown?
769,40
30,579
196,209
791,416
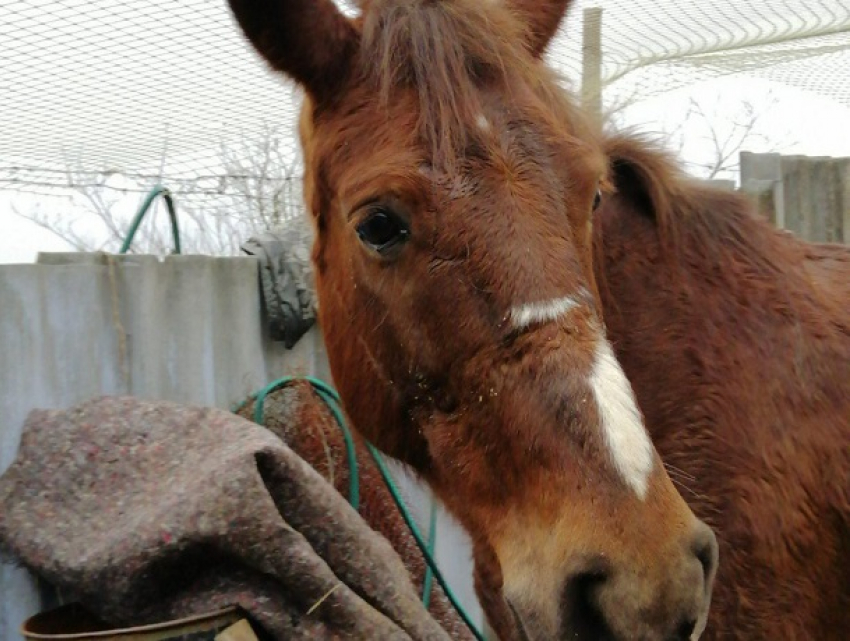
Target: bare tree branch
724,136
259,187
709,135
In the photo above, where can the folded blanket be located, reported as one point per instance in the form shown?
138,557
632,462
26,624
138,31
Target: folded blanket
146,511
297,415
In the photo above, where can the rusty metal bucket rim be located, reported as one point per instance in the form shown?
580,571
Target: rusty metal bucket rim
141,629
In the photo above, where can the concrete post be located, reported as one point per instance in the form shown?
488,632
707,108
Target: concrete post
816,213
761,177
794,185
843,205
591,61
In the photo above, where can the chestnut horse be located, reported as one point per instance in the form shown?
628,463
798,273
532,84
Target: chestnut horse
736,338
451,183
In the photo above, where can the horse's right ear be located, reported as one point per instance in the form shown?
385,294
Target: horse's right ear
311,41
541,18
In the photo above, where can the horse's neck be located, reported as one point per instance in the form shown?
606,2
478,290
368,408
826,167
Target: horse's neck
829,267
696,341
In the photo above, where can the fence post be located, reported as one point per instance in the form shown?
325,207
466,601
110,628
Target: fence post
816,210
794,185
842,177
591,60
761,177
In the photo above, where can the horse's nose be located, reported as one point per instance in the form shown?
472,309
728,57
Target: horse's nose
614,603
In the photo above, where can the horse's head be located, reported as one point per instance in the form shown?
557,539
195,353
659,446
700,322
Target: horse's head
451,184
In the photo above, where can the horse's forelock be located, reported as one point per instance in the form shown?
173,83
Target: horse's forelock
446,53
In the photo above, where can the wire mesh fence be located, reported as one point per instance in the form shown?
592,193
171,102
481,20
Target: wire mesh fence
111,97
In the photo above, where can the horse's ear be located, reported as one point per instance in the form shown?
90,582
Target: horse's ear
542,19
311,41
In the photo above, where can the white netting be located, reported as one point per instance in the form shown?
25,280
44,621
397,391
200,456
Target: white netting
140,88
168,90
650,48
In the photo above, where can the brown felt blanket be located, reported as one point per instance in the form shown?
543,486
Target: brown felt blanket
146,511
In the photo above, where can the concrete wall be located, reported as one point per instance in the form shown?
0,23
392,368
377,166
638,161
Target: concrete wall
187,329
807,195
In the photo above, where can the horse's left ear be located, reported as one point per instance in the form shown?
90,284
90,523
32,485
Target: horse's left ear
542,19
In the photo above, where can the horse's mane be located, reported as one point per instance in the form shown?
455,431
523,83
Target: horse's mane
718,234
446,52
695,218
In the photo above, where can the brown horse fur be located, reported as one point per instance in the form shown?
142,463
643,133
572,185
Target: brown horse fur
300,419
472,347
736,338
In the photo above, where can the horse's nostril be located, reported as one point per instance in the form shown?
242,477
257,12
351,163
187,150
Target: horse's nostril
685,630
581,608
705,549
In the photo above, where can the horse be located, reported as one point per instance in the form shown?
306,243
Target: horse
450,181
736,339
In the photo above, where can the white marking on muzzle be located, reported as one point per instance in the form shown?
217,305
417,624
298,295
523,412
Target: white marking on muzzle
622,423
523,316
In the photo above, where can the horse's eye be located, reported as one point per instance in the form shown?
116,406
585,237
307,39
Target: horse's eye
382,230
597,199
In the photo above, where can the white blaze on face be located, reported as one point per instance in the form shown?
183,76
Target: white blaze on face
620,419
621,422
523,316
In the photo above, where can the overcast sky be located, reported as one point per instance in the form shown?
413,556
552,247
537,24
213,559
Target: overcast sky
113,83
